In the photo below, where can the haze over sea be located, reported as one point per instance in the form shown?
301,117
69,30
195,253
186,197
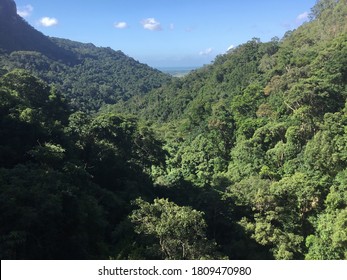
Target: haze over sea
177,71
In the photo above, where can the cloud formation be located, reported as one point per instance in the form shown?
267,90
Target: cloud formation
230,48
151,24
121,25
206,52
25,11
302,17
48,22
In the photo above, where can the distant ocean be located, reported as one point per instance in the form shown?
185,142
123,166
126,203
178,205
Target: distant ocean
177,71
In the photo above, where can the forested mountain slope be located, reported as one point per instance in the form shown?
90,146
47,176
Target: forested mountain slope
88,76
265,126
251,63
18,35
66,181
245,158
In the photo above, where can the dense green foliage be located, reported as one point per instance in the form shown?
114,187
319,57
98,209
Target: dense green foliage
264,126
89,77
99,76
66,180
245,158
179,230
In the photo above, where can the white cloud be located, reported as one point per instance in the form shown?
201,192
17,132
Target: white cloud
302,17
172,26
230,48
47,21
206,52
25,11
121,25
151,24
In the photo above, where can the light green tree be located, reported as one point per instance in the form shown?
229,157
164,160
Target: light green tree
180,230
330,238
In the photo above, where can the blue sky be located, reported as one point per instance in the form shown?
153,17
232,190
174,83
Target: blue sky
164,33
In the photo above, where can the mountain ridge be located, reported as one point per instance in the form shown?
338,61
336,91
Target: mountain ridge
327,23
245,158
18,35
88,76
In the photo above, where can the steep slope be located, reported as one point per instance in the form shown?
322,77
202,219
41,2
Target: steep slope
264,126
18,35
88,76
251,161
250,63
66,180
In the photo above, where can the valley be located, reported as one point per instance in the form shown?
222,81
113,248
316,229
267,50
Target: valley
104,157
